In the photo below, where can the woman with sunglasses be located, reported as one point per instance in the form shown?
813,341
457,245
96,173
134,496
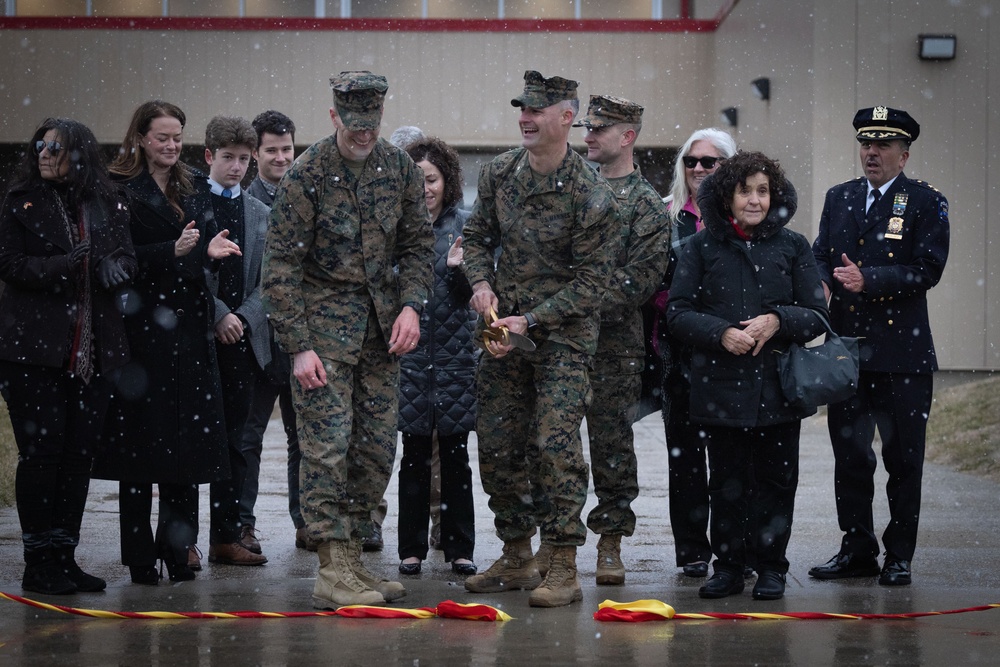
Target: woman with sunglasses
169,426
64,252
701,155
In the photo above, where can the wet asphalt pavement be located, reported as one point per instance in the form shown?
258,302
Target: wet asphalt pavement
957,566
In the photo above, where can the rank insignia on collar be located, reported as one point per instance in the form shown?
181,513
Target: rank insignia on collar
27,205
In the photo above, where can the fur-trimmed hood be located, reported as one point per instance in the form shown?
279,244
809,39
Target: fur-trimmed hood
716,216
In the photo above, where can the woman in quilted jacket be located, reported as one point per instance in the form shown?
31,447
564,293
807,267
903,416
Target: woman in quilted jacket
436,381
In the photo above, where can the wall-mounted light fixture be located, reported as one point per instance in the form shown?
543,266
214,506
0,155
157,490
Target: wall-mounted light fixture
937,47
762,88
730,116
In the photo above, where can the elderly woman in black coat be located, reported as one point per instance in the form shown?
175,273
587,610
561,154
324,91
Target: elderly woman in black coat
745,288
169,422
64,252
436,381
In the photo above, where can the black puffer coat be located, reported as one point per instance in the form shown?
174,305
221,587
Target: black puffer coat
437,380
722,280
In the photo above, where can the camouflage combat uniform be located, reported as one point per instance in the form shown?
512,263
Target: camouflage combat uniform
616,380
329,282
560,234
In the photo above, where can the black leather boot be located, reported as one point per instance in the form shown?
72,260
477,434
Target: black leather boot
42,574
85,583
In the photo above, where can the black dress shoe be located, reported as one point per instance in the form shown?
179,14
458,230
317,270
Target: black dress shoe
374,541
145,575
770,586
722,584
177,571
696,569
895,572
464,569
410,568
844,566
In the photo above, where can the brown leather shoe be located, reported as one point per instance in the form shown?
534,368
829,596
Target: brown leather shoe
194,558
233,554
248,538
303,541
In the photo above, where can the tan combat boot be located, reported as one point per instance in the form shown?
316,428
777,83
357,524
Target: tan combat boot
336,585
543,557
390,590
514,570
561,586
610,570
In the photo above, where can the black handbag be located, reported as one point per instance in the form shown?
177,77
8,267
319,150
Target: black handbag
827,373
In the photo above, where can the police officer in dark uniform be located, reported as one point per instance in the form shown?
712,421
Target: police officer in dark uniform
882,244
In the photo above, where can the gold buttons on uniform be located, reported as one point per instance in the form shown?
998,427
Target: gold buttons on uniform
859,263
890,255
861,242
890,322
851,309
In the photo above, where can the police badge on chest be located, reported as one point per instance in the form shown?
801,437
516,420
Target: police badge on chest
895,229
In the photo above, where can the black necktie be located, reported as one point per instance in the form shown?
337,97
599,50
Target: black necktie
871,209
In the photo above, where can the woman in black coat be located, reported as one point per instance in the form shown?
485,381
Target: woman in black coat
745,288
169,425
436,381
64,251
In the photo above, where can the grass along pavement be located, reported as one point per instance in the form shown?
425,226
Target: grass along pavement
963,431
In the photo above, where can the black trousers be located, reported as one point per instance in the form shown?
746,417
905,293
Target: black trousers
176,525
238,370
898,405
57,421
265,392
458,532
754,475
688,473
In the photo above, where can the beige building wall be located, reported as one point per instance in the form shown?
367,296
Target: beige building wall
825,59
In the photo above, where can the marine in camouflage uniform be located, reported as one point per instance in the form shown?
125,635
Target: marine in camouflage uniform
556,221
350,208
612,127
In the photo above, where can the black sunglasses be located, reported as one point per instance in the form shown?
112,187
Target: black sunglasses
707,162
53,146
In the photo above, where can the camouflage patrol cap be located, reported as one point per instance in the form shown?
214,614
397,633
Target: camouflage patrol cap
606,110
358,97
540,92
883,123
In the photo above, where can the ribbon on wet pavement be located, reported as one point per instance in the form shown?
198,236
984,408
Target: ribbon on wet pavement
654,610
446,609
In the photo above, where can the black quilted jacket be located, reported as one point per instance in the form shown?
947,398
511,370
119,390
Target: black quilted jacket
437,380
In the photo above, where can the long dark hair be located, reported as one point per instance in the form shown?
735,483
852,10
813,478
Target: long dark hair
131,158
87,178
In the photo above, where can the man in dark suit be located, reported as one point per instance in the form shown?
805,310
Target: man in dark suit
882,244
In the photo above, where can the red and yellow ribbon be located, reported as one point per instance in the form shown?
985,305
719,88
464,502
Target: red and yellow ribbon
446,609
654,610
609,610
